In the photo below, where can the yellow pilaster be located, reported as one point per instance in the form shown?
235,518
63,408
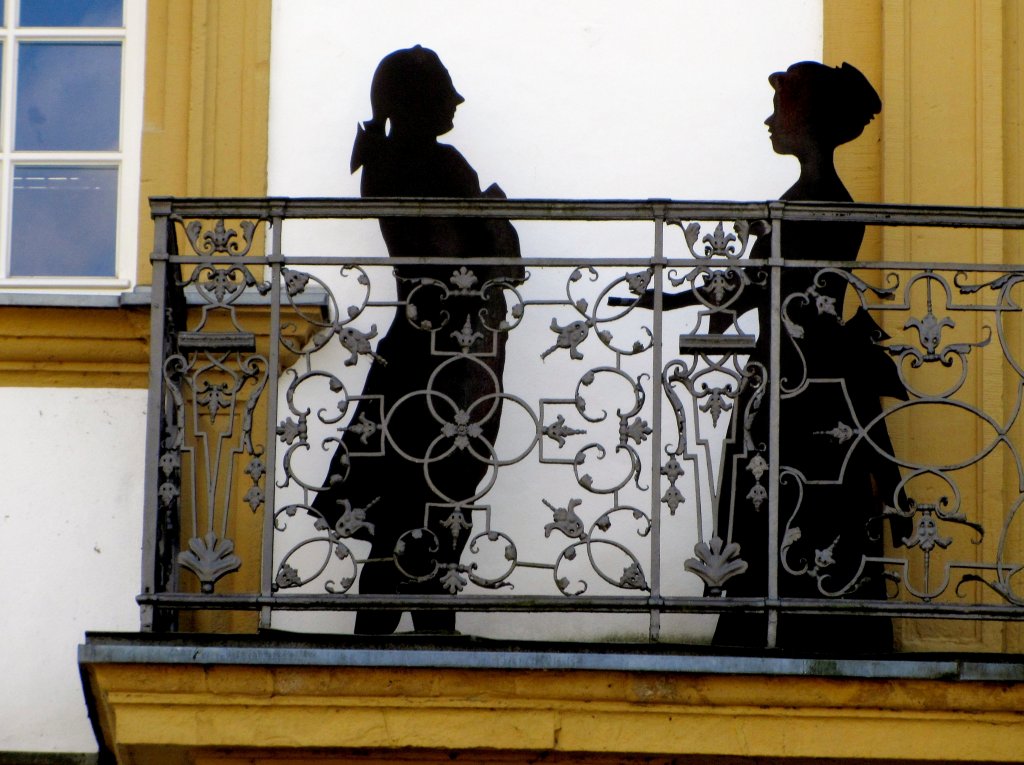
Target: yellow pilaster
205,134
1012,94
207,103
949,74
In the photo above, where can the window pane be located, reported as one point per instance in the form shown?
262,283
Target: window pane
69,97
63,221
70,13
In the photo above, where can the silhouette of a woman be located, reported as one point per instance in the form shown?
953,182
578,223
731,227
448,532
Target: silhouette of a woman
836,469
420,441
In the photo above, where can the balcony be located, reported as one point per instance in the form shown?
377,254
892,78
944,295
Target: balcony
652,422
601,489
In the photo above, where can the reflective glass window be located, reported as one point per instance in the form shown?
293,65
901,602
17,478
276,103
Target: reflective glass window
64,221
70,13
68,96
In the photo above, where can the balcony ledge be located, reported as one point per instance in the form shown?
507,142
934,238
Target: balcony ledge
264,696
466,652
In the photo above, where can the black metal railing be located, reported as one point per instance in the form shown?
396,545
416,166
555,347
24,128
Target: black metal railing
662,410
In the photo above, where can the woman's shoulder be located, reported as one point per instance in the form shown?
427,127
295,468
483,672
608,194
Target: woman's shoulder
825,190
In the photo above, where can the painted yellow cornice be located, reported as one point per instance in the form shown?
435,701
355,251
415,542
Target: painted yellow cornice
74,347
209,714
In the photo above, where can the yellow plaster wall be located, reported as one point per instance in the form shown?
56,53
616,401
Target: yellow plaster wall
217,714
1012,82
207,104
950,78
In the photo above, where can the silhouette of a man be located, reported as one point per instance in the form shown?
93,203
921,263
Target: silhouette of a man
436,389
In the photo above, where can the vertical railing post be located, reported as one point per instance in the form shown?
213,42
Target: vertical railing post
775,210
275,262
161,209
657,266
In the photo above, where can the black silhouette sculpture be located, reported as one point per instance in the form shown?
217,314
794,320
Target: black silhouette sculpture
406,472
835,477
837,474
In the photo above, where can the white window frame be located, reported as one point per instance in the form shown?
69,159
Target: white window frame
127,158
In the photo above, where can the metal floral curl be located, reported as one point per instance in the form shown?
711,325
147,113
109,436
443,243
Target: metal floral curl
1004,569
412,536
335,323
571,335
511,555
288,576
412,310
220,239
222,286
517,310
719,244
632,576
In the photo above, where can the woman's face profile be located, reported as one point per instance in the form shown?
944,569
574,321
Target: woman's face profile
788,126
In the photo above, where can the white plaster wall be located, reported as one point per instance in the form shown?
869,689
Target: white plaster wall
564,98
70,539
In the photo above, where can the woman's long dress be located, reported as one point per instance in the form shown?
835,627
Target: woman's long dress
837,472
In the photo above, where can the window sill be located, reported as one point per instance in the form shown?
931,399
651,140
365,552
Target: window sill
138,298
57,285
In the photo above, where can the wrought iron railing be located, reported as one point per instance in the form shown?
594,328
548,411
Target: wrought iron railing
806,436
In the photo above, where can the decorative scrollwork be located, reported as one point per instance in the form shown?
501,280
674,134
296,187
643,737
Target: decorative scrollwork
718,244
209,558
716,562
565,519
564,503
570,337
220,240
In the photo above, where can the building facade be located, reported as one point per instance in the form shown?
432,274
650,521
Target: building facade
221,99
